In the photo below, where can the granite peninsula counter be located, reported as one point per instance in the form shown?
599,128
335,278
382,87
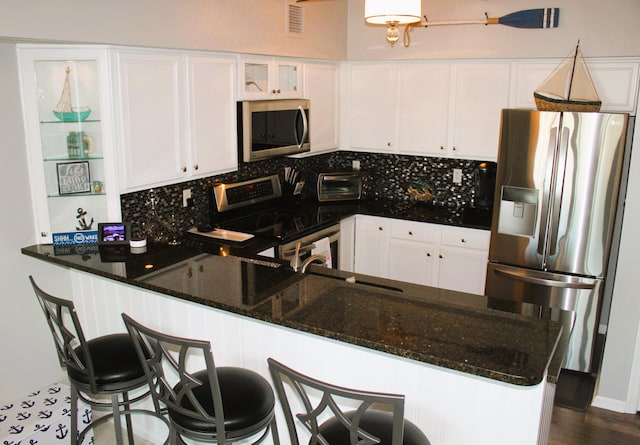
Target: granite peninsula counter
445,350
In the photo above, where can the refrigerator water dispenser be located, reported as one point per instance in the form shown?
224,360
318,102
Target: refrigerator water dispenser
518,211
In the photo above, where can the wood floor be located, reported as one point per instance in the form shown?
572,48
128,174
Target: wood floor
595,426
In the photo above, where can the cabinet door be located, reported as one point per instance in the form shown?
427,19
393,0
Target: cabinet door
212,116
346,255
423,107
151,105
66,100
481,91
371,246
269,79
321,87
462,270
412,261
373,114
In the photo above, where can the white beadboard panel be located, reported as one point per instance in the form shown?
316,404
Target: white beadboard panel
449,406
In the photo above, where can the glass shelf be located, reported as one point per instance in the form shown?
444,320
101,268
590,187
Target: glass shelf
72,159
70,122
76,195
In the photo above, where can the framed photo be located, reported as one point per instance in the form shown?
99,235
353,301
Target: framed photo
73,177
113,234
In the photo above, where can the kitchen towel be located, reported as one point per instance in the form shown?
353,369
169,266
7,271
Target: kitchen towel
323,247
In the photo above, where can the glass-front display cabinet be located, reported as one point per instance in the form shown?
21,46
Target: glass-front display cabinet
269,79
69,134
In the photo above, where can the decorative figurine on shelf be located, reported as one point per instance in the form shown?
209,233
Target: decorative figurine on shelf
82,222
64,110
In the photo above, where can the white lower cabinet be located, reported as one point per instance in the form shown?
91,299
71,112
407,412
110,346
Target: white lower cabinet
453,258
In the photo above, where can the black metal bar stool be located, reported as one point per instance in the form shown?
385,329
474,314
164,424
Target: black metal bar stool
332,421
99,367
203,402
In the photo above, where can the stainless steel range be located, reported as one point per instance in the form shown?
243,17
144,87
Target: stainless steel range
257,207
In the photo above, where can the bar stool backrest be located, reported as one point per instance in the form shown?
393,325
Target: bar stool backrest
71,346
321,398
165,361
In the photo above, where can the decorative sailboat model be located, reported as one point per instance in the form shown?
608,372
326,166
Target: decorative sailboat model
64,110
569,87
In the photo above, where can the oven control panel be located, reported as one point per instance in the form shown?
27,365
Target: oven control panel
240,194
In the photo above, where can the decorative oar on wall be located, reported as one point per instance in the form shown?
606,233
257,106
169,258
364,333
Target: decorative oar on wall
529,18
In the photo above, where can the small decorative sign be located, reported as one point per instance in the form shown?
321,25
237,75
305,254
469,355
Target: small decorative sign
73,177
72,238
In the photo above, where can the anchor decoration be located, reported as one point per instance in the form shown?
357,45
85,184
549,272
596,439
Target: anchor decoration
45,414
33,394
23,416
48,401
27,404
86,416
82,221
3,418
54,390
16,429
62,431
7,407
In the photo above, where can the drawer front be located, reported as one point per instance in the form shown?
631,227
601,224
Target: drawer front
468,238
415,231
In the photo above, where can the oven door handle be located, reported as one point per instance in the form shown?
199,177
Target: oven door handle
307,248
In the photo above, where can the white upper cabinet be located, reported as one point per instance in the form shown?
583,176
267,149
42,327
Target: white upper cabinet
269,78
425,108
177,117
616,83
321,88
481,91
373,106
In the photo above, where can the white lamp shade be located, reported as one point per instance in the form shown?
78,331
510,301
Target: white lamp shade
381,12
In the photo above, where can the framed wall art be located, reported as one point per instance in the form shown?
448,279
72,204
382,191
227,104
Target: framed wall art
73,177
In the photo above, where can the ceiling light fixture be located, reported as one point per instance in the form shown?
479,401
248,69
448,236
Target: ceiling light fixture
392,13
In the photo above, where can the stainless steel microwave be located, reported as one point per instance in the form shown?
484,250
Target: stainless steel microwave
272,128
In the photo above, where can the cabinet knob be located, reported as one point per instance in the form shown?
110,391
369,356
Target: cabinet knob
453,148
428,253
440,256
275,91
442,147
43,233
184,169
195,167
190,273
379,228
462,240
388,144
410,232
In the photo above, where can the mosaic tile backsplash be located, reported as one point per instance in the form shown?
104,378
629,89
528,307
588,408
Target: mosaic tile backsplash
387,177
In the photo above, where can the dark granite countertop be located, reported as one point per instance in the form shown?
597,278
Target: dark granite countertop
435,326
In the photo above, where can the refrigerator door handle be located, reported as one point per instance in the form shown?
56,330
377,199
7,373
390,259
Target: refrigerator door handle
542,281
559,184
544,217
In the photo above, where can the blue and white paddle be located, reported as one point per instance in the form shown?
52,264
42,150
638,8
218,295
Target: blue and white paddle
530,18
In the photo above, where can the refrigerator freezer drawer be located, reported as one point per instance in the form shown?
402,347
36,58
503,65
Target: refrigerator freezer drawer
544,294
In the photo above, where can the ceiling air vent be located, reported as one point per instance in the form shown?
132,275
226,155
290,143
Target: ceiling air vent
295,20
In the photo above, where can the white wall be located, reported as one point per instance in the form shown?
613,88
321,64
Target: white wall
604,29
236,26
27,350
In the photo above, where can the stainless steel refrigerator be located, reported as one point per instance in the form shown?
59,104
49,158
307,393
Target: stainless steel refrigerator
557,188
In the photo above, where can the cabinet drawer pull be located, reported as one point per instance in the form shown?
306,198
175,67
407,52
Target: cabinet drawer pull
388,144
442,147
462,240
379,228
410,232
195,167
184,169
428,253
453,148
440,256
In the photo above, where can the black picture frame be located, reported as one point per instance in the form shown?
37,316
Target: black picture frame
73,177
114,233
